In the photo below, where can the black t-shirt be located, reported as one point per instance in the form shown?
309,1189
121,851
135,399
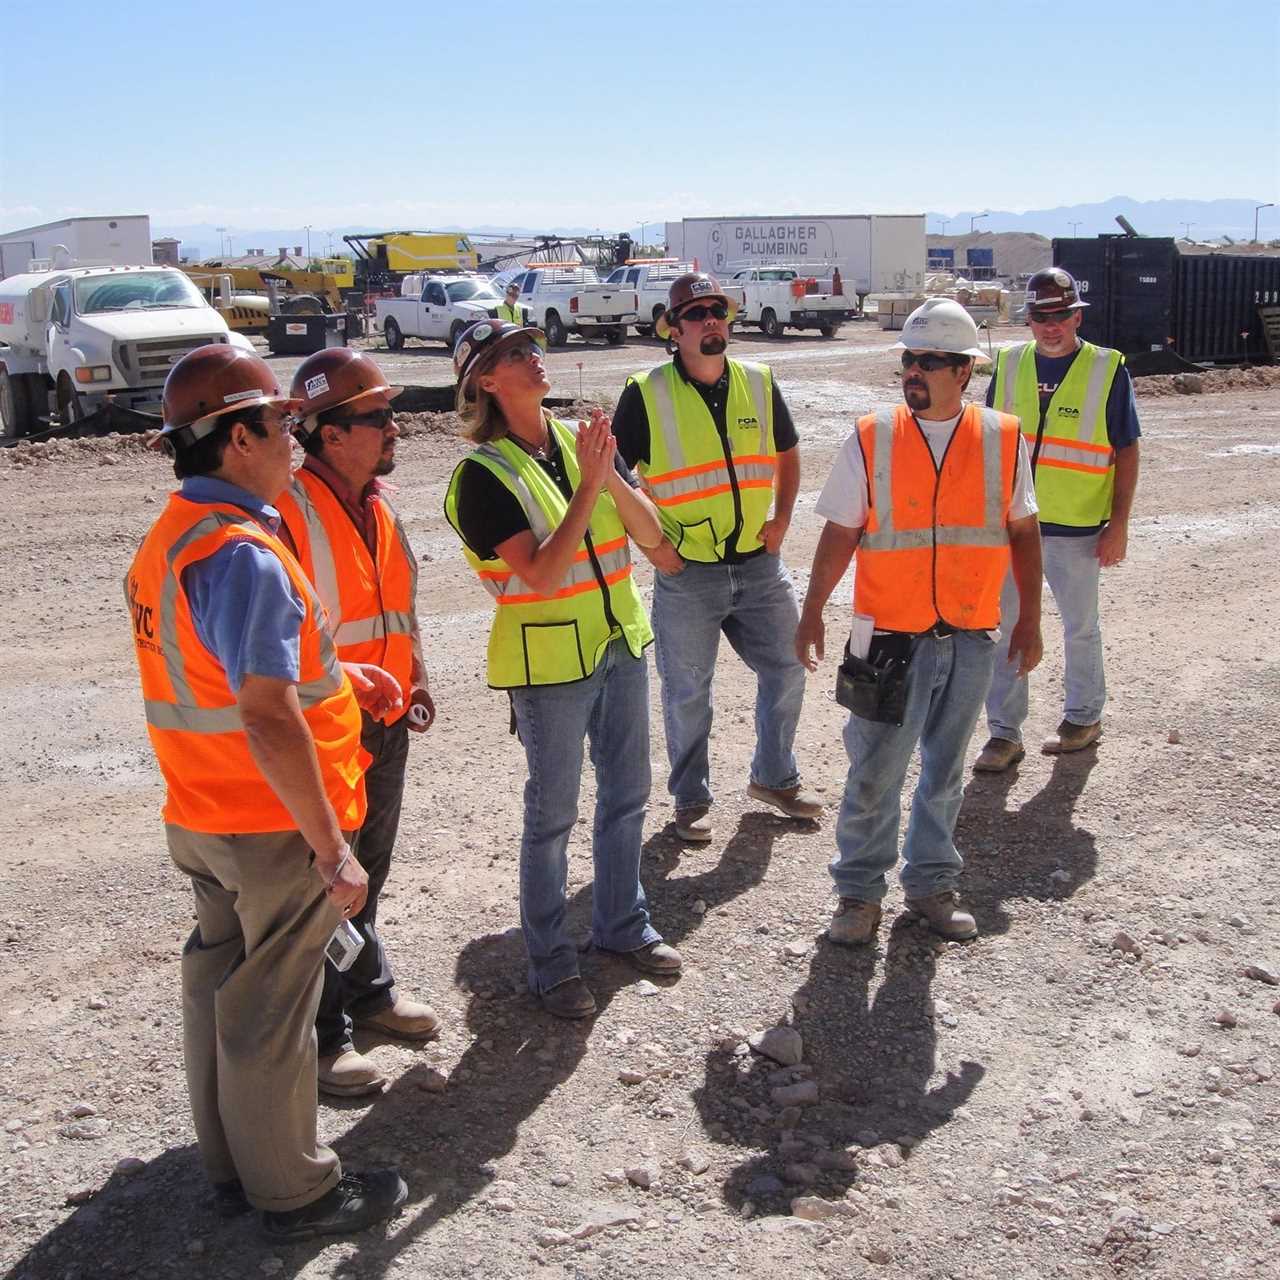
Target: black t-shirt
631,419
489,512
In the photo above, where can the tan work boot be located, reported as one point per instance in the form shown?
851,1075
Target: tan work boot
998,755
348,1075
854,922
795,801
406,1019
942,913
694,823
1072,737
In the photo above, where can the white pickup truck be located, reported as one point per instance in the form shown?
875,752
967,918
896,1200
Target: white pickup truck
437,307
652,282
77,337
778,298
571,299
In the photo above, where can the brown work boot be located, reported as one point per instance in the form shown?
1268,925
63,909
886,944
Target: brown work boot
571,998
1071,737
694,823
795,801
998,755
653,957
854,922
406,1019
348,1075
942,913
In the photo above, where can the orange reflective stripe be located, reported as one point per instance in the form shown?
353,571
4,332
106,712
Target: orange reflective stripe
1072,466
761,459
1075,444
604,549
565,592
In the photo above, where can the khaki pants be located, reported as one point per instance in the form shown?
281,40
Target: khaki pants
251,979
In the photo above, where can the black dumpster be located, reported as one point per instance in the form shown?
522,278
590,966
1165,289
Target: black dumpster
304,335
1165,309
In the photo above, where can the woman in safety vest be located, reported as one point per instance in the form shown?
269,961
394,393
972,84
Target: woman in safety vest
544,515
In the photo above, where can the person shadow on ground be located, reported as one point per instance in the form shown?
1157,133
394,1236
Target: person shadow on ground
1036,851
870,1060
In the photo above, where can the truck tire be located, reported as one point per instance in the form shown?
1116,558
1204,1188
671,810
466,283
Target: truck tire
69,407
15,406
455,333
644,330
616,335
658,313
557,334
392,335
770,325
828,330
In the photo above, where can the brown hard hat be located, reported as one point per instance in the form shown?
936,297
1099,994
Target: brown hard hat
693,286
337,376
479,347
1053,289
209,382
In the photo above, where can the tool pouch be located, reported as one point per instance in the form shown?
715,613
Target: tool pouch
875,687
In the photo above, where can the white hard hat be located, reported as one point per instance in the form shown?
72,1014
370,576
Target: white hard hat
940,324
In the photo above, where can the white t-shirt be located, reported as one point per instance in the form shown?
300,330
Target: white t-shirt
843,499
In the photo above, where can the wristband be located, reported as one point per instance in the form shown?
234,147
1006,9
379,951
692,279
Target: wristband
342,862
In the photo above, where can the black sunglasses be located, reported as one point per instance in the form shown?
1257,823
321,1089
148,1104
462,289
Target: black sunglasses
379,418
930,363
1049,317
700,311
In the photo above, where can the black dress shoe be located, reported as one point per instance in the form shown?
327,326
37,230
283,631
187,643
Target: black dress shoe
229,1199
358,1201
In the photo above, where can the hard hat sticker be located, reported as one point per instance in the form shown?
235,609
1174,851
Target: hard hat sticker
237,396
481,332
460,356
316,386
701,286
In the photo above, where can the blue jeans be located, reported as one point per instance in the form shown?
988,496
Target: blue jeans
1072,571
946,682
754,604
611,707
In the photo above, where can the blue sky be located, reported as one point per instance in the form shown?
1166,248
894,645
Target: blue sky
602,115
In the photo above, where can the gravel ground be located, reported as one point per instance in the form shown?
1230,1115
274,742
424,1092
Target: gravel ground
1088,1090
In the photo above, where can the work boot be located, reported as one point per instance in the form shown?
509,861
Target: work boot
653,957
1072,737
571,998
998,755
348,1075
795,801
358,1201
694,823
229,1199
942,913
854,922
406,1019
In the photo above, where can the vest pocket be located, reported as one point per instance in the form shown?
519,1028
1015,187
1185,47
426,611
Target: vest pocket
689,533
552,652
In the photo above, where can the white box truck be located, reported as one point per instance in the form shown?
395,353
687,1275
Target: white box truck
875,252
123,241
75,337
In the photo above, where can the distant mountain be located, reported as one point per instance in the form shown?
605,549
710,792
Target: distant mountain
1208,219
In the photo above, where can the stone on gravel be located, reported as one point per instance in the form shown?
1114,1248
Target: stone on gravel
699,908
1261,973
85,1130
549,1238
81,1195
642,1176
127,1166
795,1095
433,1080
695,1162
1175,737
796,949
82,1110
1226,1018
97,1002
629,1076
645,988
1188,384
1126,944
1189,1050
782,1044
877,1254
816,1209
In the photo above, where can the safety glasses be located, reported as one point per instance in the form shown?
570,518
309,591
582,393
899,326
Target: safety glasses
700,311
1049,317
520,351
931,363
379,418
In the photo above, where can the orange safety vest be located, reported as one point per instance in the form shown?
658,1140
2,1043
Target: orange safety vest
213,783
936,542
370,598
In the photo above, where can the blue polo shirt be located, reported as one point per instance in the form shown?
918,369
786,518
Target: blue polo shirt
243,604
1122,420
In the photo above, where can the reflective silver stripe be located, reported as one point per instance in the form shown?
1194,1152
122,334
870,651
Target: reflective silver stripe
314,691
323,568
403,538
709,479
188,719
378,627
533,512
1012,362
754,471
580,573
882,485
993,474
756,383
656,379
1095,389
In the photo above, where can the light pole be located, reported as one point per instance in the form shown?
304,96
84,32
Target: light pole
975,217
1271,204
1186,235
307,229
222,236
1075,234
644,226
944,222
